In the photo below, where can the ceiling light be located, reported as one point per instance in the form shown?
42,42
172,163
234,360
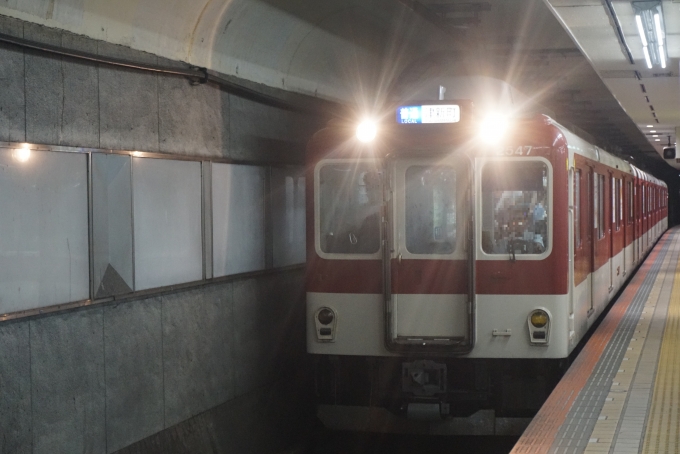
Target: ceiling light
652,131
655,135
650,25
641,29
657,140
650,126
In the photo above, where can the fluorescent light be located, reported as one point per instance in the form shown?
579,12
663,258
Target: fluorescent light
650,127
657,27
647,59
650,25
641,30
655,135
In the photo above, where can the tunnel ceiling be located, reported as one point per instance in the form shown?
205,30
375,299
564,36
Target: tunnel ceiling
357,51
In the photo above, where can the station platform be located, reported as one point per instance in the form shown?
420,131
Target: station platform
622,393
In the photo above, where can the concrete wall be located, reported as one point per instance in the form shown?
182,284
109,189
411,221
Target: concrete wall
196,370
61,101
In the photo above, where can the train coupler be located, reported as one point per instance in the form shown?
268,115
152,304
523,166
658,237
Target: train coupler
423,378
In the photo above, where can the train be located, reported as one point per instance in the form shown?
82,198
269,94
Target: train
457,257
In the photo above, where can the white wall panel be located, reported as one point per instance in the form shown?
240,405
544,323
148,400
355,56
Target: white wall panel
238,218
112,223
44,232
167,222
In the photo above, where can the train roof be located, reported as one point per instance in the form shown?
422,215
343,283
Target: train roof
583,148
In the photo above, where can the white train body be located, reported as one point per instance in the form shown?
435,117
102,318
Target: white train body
431,255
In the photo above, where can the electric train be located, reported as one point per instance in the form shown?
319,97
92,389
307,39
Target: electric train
448,273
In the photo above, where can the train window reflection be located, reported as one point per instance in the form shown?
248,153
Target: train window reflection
515,208
430,210
350,200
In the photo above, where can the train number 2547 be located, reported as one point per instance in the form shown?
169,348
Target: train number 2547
523,150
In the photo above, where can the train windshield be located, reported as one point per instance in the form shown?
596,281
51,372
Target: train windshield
515,207
430,210
350,197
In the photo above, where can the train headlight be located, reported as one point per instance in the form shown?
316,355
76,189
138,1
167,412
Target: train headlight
325,321
493,128
539,318
326,316
539,326
366,131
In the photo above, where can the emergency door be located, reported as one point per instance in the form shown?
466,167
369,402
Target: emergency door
428,304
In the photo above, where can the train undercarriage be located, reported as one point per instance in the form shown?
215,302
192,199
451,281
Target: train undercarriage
467,396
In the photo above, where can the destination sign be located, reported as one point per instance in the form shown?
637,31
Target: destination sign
434,113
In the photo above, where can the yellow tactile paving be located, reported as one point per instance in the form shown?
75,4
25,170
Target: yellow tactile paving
663,433
607,425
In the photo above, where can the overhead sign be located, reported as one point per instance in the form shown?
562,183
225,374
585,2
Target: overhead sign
435,113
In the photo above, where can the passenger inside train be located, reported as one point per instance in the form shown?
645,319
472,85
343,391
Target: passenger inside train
350,209
515,208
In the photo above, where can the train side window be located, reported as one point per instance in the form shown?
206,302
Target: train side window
617,202
349,208
629,197
596,203
619,191
602,208
577,208
515,207
612,188
430,210
598,193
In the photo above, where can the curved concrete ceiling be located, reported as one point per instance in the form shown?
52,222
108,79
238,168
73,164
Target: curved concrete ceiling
361,51
324,48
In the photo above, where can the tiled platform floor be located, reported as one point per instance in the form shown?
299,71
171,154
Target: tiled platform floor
622,393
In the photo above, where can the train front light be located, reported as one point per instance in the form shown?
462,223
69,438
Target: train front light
366,131
539,326
325,320
493,127
539,319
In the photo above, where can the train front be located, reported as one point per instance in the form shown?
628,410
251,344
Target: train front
435,284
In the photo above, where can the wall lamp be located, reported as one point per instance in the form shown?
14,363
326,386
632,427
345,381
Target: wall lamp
650,24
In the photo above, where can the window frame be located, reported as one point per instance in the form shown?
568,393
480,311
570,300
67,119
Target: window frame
481,163
317,213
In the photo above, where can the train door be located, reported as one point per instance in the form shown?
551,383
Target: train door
428,306
593,210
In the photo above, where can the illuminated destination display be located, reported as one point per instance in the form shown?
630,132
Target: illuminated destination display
436,113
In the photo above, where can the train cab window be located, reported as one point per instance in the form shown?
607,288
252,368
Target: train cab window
430,210
350,197
515,207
